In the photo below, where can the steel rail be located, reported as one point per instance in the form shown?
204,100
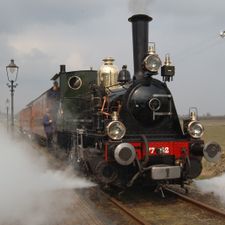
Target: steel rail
197,203
129,212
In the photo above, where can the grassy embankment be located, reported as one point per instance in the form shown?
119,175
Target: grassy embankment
214,131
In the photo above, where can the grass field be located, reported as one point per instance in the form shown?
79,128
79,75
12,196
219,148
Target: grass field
214,131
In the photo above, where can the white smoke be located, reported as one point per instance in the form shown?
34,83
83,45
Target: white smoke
30,192
214,185
139,6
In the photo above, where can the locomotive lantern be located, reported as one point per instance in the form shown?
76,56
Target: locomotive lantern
152,62
115,128
193,127
167,70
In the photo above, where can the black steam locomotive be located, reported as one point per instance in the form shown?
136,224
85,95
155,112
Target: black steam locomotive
123,131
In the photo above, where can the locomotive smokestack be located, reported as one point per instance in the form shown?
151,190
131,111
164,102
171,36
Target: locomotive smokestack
140,42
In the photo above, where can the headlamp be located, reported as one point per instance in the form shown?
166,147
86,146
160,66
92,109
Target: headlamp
152,63
116,130
195,129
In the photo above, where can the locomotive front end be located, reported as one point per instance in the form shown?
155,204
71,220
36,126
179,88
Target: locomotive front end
144,140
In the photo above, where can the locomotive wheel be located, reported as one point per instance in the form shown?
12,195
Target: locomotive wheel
105,172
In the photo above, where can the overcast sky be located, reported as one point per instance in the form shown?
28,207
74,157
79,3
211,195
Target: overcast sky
40,35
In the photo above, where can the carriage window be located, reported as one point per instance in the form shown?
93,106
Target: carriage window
75,82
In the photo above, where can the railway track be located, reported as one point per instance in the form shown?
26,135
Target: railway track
174,209
197,203
134,216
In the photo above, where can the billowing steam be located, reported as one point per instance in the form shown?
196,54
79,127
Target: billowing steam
30,192
139,6
214,185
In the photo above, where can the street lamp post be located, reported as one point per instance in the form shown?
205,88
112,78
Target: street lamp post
12,73
7,113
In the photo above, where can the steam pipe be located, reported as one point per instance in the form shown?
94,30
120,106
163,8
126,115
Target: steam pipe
140,42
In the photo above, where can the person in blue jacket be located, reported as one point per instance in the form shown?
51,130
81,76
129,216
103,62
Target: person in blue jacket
48,127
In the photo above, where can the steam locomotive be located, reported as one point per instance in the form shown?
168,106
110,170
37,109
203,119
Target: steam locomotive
121,130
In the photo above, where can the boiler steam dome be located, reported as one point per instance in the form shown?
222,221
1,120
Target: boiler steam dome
108,73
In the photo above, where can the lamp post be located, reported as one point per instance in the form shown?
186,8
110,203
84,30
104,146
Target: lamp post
12,73
7,113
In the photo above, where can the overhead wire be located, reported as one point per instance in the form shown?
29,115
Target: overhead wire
197,48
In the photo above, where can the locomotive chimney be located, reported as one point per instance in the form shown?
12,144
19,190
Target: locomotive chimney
62,68
140,42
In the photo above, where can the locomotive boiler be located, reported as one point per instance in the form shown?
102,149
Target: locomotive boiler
125,130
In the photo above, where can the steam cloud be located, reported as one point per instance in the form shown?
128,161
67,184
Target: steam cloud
214,185
31,193
139,6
